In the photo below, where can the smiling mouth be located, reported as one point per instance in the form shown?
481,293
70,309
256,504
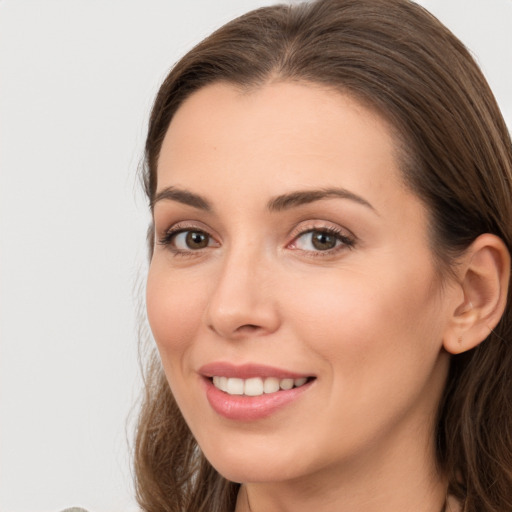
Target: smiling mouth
256,386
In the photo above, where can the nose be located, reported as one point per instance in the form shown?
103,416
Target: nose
243,301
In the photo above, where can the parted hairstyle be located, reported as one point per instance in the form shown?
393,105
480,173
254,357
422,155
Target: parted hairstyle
456,156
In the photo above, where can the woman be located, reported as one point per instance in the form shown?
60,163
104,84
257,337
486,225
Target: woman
331,193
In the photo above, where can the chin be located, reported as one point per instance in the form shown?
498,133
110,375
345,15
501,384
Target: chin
254,472
254,464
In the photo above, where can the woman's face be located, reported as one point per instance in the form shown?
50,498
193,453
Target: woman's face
288,252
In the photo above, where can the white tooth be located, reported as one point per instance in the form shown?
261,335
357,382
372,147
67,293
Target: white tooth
300,382
223,384
253,387
271,385
216,382
286,384
235,386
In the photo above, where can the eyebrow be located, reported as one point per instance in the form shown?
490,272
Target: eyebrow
294,199
182,196
276,204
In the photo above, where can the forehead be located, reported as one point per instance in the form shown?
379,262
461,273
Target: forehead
291,130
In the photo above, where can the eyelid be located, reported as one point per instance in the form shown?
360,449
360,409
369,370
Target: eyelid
184,225
319,225
165,237
347,238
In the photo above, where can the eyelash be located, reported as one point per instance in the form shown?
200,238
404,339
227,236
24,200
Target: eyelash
347,242
170,235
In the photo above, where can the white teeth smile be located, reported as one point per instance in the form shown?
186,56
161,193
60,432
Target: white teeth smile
255,386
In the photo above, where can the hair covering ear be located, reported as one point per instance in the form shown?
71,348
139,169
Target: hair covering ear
485,272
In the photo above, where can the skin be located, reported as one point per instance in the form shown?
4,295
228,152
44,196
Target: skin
367,320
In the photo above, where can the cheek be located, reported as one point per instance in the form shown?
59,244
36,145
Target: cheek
378,345
369,320
174,308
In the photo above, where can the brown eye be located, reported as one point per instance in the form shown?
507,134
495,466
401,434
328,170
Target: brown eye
323,241
317,240
196,239
189,240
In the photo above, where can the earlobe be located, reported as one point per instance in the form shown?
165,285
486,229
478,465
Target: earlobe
485,275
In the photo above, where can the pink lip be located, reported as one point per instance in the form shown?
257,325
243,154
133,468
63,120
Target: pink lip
247,371
249,408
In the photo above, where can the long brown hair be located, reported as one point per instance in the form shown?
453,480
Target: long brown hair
456,156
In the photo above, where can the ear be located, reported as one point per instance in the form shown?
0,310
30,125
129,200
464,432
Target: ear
484,278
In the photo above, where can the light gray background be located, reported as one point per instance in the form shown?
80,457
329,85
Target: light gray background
77,78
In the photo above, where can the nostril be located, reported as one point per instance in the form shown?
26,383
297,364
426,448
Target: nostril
242,329
248,328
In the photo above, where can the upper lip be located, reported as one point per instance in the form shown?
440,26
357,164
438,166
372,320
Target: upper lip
247,371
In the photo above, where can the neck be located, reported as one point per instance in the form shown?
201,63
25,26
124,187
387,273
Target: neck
260,497
449,503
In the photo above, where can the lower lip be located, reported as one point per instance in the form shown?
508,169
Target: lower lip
250,408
